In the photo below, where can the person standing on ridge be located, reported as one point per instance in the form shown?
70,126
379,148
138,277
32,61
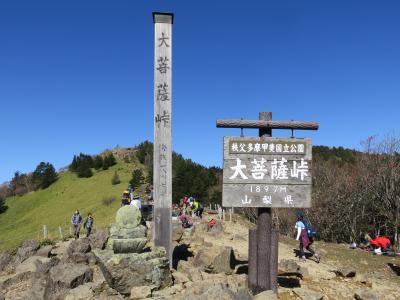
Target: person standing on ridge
88,224
76,221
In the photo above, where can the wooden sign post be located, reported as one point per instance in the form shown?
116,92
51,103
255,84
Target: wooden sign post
266,172
162,159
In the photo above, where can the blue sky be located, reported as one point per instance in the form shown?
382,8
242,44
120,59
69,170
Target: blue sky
77,76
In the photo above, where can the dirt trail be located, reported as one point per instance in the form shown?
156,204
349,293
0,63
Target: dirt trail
372,272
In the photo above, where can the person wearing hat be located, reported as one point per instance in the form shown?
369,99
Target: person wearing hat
125,198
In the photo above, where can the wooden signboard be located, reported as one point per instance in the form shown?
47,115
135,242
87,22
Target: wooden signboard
162,176
267,172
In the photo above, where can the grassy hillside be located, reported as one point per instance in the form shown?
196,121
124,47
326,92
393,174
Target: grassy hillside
54,206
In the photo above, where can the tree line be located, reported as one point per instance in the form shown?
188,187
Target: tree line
354,192
83,164
41,178
188,178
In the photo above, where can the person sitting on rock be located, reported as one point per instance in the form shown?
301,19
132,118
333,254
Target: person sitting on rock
184,219
76,221
88,224
211,223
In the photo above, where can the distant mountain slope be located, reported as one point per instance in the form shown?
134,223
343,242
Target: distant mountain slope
54,206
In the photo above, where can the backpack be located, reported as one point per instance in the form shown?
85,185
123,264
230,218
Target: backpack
310,230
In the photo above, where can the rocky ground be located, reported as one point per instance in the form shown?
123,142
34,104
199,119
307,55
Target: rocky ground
207,265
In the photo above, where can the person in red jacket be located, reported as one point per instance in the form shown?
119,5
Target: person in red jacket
380,242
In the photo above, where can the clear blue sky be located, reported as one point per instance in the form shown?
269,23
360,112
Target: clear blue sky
77,76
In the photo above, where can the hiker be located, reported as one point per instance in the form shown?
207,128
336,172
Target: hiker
76,221
88,224
137,202
380,244
184,219
198,209
211,223
305,238
125,198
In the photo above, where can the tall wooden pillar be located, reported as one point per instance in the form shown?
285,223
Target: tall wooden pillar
162,175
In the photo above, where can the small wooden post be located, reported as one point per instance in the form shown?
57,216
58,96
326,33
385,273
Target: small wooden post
45,232
230,215
274,261
60,231
252,265
223,214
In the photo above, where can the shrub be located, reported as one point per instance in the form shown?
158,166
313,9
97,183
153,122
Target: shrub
115,179
46,242
107,201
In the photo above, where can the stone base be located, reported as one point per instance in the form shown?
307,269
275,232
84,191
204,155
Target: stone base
127,232
127,245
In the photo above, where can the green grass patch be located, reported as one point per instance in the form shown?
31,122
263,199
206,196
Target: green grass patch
55,205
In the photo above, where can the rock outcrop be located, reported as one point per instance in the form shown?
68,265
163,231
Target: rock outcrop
123,271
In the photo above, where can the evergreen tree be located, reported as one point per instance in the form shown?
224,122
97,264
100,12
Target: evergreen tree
137,178
115,179
98,162
74,164
44,175
3,206
109,161
84,170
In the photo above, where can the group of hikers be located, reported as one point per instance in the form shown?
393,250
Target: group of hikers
76,221
306,233
130,198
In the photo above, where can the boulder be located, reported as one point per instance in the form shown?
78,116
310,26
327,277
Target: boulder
220,260
33,287
306,294
193,273
31,264
224,262
81,292
288,267
266,295
140,292
180,277
76,251
79,246
128,215
45,251
99,239
69,276
177,231
345,272
91,258
217,291
124,271
217,228
5,259
27,250
364,294
127,245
